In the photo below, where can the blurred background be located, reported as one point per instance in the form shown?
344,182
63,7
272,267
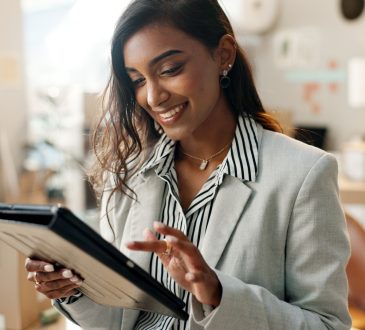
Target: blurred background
308,59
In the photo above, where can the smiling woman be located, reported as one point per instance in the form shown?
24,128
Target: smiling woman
251,234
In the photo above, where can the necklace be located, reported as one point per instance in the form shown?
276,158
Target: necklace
204,162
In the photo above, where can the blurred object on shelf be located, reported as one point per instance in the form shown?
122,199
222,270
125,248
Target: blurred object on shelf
43,156
353,160
352,9
356,82
351,192
8,173
49,316
313,135
252,16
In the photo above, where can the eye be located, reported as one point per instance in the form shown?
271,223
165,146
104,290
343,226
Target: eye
172,71
138,82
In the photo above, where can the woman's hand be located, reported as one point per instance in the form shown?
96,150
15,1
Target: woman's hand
184,263
54,284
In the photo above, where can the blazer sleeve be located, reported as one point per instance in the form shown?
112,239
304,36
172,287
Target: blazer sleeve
85,312
90,315
316,254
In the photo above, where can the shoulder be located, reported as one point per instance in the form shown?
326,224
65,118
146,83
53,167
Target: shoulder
281,156
283,149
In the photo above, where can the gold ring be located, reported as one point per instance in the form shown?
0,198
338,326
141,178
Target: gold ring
168,248
35,279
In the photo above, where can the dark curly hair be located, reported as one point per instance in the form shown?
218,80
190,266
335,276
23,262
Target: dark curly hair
124,129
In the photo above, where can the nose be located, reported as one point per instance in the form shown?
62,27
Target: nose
156,94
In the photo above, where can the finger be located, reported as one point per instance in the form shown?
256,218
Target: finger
149,236
188,252
32,265
60,285
166,230
59,274
157,246
60,293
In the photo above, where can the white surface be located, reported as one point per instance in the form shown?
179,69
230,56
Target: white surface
297,48
71,326
357,212
353,164
356,82
252,16
2,321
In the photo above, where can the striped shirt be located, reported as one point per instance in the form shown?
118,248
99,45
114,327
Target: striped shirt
240,162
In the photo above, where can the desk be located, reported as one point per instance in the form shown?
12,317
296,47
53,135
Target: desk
351,192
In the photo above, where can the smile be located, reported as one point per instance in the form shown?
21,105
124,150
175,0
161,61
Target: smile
170,117
172,112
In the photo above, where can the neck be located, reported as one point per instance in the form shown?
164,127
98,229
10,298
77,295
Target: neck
216,133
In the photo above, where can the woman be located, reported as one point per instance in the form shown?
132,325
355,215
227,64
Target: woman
254,233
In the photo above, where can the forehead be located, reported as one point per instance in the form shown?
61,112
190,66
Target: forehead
154,40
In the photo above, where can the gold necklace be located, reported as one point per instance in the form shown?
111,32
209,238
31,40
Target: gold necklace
204,162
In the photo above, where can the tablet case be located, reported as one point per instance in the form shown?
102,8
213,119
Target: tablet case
55,234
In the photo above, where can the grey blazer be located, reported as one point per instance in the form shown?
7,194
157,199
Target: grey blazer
279,245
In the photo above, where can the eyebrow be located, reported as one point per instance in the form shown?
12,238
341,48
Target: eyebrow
159,58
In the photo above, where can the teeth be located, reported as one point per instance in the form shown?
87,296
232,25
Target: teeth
172,112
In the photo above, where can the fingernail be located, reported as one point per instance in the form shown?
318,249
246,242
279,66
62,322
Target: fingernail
49,268
75,279
146,232
158,224
67,273
171,239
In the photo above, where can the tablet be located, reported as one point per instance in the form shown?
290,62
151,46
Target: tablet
55,234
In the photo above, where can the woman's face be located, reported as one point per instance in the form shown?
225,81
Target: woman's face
176,80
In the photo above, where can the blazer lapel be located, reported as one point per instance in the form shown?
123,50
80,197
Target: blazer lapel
228,207
144,212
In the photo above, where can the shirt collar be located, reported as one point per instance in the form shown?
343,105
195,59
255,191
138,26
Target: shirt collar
164,148
241,161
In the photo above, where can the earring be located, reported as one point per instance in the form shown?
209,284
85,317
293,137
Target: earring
225,80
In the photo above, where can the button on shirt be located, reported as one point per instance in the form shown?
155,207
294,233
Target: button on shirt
240,162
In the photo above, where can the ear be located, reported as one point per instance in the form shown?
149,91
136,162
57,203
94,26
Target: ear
226,52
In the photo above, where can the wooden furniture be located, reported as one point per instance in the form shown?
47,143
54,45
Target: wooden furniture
351,192
358,318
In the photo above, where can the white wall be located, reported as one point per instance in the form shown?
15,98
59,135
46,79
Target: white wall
340,40
12,90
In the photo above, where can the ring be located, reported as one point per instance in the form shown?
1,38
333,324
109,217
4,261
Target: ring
168,249
35,279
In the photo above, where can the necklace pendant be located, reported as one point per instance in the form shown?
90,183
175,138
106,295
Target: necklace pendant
203,165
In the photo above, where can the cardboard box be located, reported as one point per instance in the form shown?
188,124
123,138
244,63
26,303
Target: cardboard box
20,303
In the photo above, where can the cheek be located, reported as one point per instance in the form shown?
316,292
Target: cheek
141,98
208,81
200,84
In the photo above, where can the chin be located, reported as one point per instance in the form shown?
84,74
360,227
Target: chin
177,134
